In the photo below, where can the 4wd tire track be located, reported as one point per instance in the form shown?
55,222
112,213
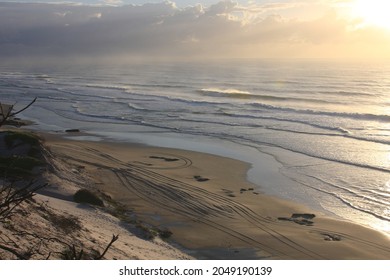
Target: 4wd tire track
195,203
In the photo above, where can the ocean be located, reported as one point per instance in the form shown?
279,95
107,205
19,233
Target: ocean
317,133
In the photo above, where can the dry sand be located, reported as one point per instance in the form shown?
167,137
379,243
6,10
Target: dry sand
52,226
204,200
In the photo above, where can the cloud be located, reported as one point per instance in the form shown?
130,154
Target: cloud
222,7
225,29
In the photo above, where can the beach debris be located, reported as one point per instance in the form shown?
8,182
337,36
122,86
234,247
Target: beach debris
200,178
164,158
304,216
331,237
300,219
242,190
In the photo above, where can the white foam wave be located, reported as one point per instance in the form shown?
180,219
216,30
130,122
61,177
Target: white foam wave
357,116
135,106
109,86
227,91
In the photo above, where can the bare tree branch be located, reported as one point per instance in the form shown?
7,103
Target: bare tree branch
5,115
26,107
11,197
114,238
8,114
13,251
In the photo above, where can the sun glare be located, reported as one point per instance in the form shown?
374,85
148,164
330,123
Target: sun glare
373,12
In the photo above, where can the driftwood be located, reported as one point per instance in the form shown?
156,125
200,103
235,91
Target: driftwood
113,239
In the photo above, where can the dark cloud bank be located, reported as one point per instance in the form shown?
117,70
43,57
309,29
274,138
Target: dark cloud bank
159,30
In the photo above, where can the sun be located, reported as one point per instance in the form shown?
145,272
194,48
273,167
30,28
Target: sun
372,12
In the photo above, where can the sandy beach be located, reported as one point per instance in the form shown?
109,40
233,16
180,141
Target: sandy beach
205,203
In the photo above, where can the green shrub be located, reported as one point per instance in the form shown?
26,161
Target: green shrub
11,137
18,166
86,196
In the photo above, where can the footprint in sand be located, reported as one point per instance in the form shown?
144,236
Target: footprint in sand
229,193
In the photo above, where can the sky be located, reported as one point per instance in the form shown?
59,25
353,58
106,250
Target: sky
195,29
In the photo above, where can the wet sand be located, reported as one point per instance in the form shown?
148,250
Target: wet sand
206,202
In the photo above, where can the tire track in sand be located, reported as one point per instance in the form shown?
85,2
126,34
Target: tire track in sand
196,203
188,200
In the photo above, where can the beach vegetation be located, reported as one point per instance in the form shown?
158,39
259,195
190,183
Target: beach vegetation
127,216
67,224
12,195
30,142
150,232
165,233
13,138
19,167
86,196
73,252
20,154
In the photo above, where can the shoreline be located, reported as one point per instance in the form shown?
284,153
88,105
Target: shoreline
210,207
263,169
268,167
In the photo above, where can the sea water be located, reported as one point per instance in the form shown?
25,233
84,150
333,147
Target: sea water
314,132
